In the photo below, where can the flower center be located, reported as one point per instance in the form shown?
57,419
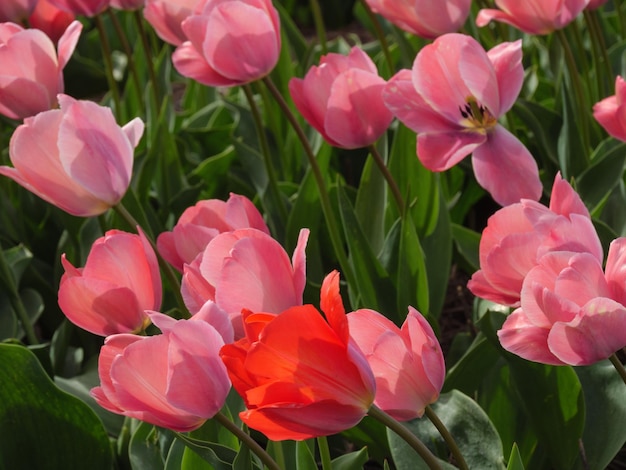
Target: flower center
476,116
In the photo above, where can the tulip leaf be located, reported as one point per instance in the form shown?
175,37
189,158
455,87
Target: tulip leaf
515,460
571,148
413,283
145,449
467,243
304,456
218,455
42,426
544,124
371,201
352,461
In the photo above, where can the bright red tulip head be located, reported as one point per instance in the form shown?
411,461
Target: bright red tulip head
119,282
300,375
517,236
453,98
424,18
50,19
32,72
611,111
166,17
200,223
229,42
87,8
75,157
16,11
175,380
342,99
407,362
533,16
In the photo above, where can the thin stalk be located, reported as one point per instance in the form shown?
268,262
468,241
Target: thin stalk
454,448
329,215
319,25
600,46
583,59
622,18
248,441
619,367
393,187
380,34
410,438
149,59
108,69
322,444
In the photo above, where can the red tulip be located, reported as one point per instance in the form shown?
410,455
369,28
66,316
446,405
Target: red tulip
50,19
300,375
611,111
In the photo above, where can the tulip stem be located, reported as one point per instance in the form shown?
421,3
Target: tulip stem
319,24
322,444
248,441
454,448
149,59
106,53
599,48
327,209
410,438
619,367
378,159
380,34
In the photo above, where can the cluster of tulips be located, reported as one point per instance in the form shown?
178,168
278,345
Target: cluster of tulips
237,317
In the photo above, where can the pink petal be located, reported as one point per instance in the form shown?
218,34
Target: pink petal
564,200
507,63
67,43
615,270
439,151
190,63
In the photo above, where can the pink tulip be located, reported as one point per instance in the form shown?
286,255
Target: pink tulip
32,74
611,111
248,269
16,11
533,16
175,380
407,363
571,312
50,19
517,236
594,4
76,157
119,282
166,17
342,99
87,8
199,224
453,98
229,42
424,18
127,4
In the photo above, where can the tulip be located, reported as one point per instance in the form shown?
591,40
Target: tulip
50,19
299,375
32,74
199,224
119,282
87,8
453,98
16,11
407,363
571,312
166,17
246,268
76,157
595,4
175,380
517,236
342,99
127,4
424,18
229,43
611,111
533,16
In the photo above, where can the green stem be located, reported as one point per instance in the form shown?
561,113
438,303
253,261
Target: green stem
621,16
395,191
582,56
106,53
454,448
322,444
329,215
619,367
248,441
410,438
380,35
149,59
319,25
597,38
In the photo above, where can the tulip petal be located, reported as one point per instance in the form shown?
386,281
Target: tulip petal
440,151
190,63
507,63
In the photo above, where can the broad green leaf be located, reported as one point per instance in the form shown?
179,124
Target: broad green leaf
352,461
145,451
413,280
467,242
515,460
573,156
544,124
304,456
371,201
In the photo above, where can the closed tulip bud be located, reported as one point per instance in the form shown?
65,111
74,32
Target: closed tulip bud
611,111
16,11
50,19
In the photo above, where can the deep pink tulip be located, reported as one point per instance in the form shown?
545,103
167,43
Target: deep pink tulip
407,362
76,157
594,4
424,18
16,11
517,236
127,4
32,73
533,16
119,282
571,312
166,17
229,42
87,8
611,111
248,269
50,19
175,380
200,223
453,98
342,99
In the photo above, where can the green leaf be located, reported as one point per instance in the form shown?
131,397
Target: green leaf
42,426
219,456
144,450
467,242
304,456
352,461
515,460
413,282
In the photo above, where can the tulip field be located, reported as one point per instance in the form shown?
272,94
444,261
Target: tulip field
312,234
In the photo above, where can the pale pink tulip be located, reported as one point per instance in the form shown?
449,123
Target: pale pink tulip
571,312
32,74
533,16
119,282
82,7
407,362
200,223
50,19
175,380
166,17
342,99
611,111
453,98
229,42
16,11
248,269
425,18
76,157
517,236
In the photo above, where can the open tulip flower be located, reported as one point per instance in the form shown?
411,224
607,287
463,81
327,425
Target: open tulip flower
453,98
76,157
342,99
517,236
611,111
167,16
300,375
571,312
16,11
229,42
